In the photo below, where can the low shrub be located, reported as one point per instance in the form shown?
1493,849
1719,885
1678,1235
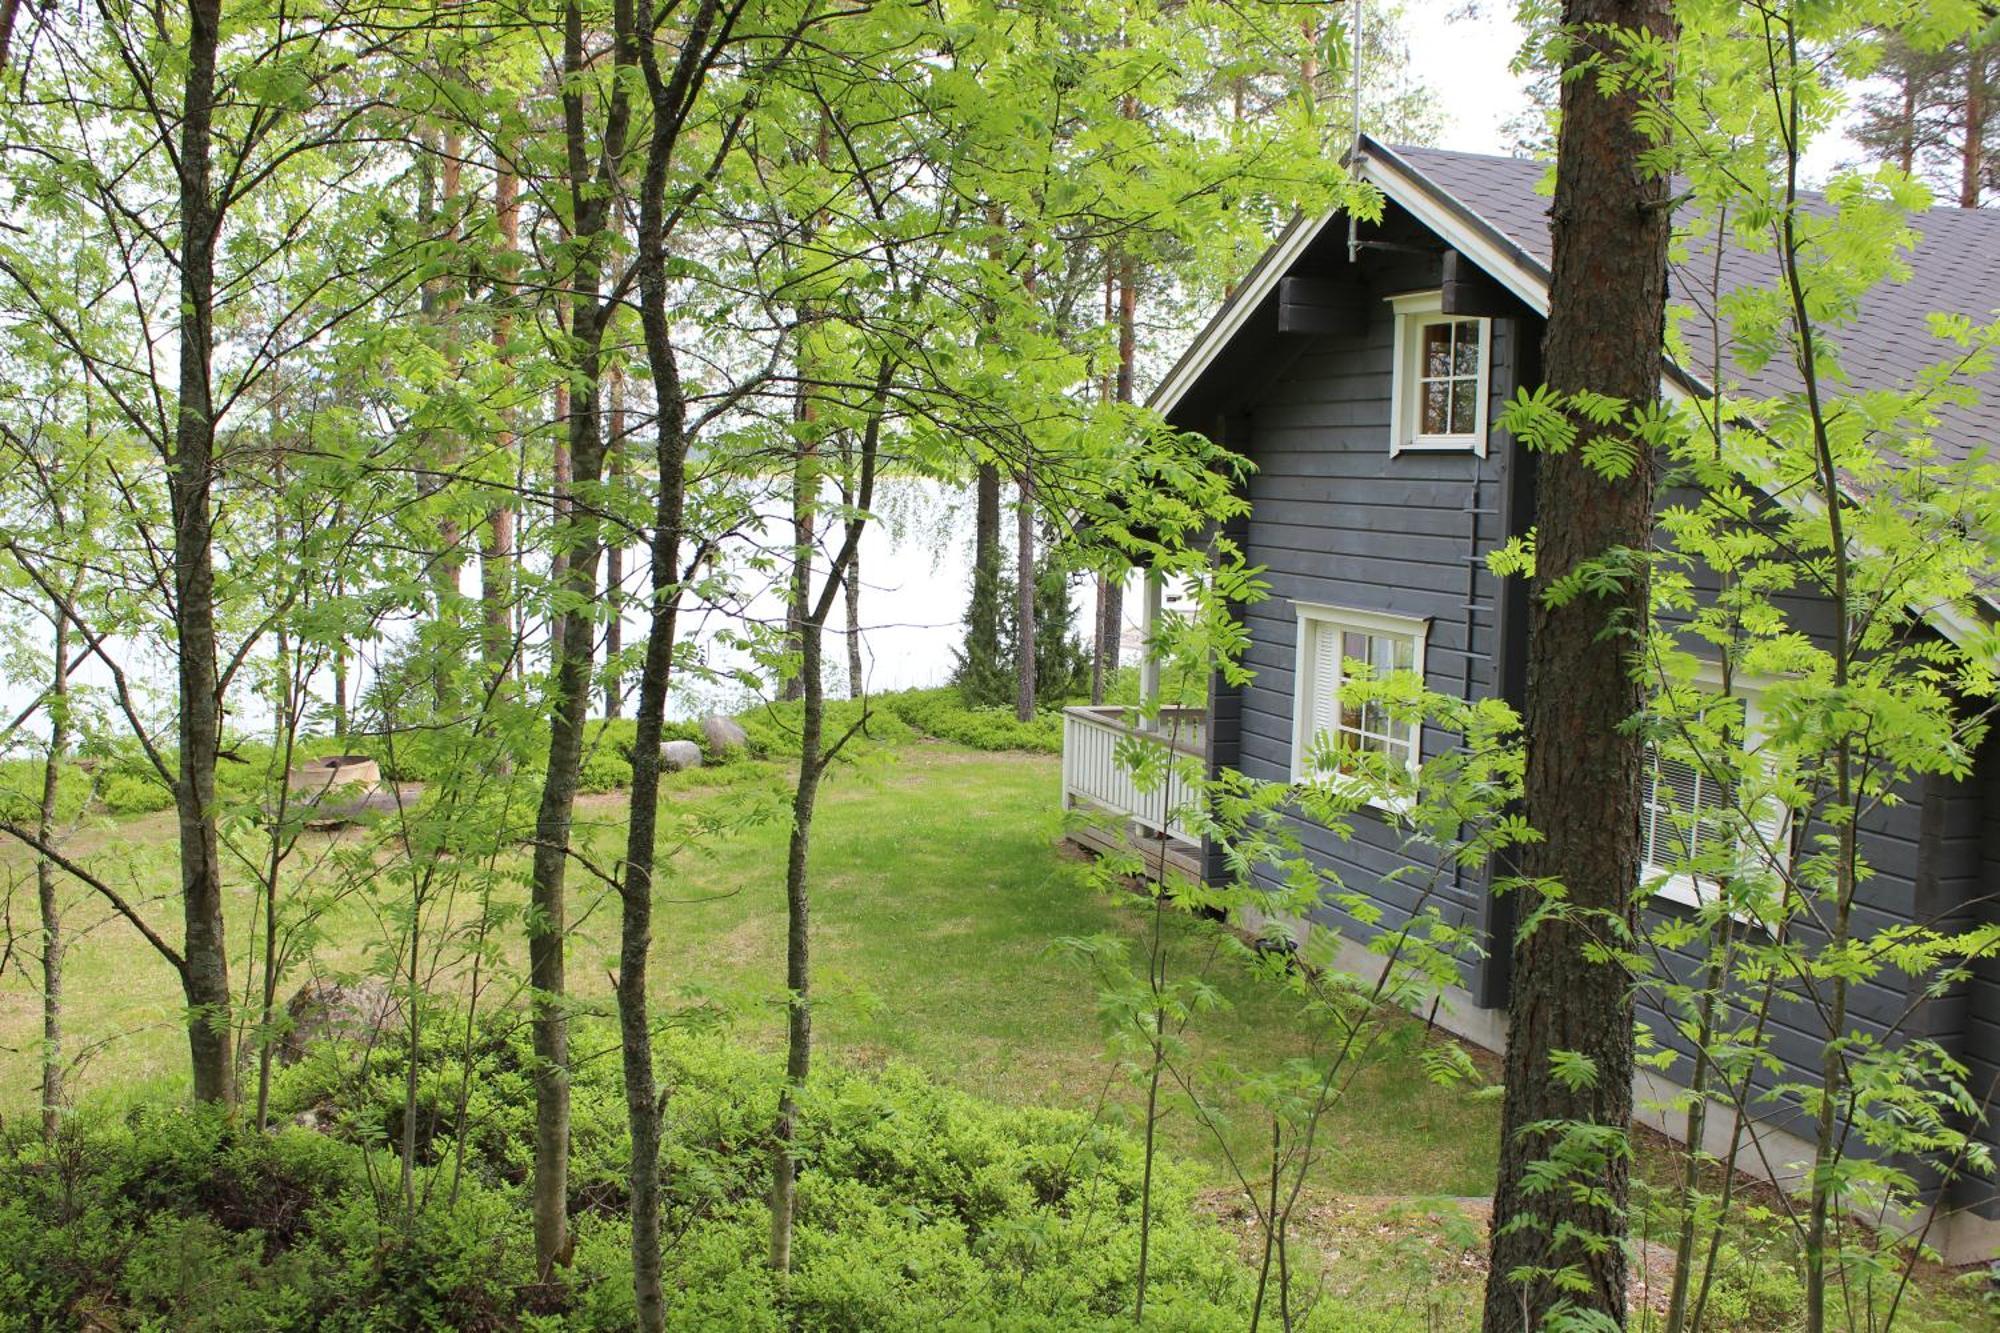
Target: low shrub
943,713
920,1207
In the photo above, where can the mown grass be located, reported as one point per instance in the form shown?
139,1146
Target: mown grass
940,880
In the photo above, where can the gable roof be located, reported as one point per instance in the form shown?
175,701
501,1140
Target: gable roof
1492,210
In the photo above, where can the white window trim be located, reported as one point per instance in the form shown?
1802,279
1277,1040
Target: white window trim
1683,888
1304,682
1413,311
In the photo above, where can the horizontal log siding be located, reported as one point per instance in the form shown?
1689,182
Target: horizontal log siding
1336,520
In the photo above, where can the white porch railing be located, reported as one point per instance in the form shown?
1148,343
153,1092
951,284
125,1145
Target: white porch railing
1092,774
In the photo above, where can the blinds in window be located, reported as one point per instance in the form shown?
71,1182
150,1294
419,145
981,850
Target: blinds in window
1686,812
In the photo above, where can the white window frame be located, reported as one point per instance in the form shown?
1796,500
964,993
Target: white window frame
1683,888
1414,312
1315,618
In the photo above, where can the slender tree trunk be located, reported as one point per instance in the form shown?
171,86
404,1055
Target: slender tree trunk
205,979
1972,155
451,556
1111,587
643,1103
1697,1123
562,478
798,958
814,755
1024,599
53,941
10,11
614,555
592,181
856,681
1607,303
805,499
496,550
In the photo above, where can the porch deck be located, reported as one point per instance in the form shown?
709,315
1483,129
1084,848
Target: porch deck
1146,822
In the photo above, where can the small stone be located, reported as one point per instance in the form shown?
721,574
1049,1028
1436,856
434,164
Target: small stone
724,734
677,755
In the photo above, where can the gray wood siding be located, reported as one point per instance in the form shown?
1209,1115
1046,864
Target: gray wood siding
1337,521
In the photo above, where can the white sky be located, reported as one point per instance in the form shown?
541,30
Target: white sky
1464,58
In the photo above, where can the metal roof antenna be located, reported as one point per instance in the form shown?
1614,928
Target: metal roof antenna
1354,148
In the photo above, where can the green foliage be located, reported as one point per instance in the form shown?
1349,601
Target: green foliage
945,714
922,1208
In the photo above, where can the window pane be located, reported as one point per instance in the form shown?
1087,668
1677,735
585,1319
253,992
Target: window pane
1464,406
1436,410
1465,348
1405,654
1354,646
1437,349
1383,655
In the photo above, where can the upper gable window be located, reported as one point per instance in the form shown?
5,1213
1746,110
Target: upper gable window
1438,392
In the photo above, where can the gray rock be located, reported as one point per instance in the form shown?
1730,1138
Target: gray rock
328,1011
724,734
677,755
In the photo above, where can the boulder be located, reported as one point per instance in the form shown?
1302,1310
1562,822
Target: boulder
321,775
677,755
328,1011
724,734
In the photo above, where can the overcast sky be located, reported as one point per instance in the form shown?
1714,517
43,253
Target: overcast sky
1464,60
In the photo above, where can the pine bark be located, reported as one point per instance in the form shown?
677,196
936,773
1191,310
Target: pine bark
1607,302
1972,153
205,974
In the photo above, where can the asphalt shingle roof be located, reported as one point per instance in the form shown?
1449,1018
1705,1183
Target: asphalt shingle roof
1955,269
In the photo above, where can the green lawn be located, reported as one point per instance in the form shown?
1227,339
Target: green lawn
940,878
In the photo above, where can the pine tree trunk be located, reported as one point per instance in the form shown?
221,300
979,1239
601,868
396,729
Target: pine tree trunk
1607,302
205,977
53,942
1972,153
1024,599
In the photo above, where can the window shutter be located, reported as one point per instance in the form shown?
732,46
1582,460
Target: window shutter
1325,682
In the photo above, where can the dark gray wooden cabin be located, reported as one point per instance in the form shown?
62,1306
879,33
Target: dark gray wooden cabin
1379,490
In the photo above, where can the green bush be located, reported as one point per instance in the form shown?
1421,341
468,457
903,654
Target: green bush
921,1208
943,713
133,794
